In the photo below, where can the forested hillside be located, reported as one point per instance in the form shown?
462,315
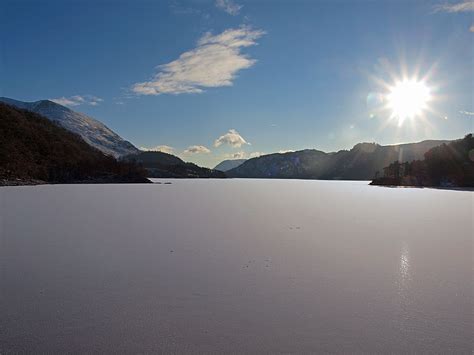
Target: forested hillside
449,165
34,148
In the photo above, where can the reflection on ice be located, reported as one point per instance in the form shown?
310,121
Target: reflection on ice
404,265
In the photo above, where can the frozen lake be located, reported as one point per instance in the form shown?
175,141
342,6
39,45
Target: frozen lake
260,266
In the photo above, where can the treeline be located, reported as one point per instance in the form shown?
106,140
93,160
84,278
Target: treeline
447,165
33,147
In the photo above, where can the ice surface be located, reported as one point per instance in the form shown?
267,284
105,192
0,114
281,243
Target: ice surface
259,266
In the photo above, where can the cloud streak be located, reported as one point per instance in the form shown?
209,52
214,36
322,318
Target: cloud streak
196,149
214,62
232,138
229,6
77,100
464,6
467,113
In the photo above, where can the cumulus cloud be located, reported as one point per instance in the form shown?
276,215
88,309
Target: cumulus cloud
159,148
232,138
467,113
463,6
77,100
229,6
214,62
196,149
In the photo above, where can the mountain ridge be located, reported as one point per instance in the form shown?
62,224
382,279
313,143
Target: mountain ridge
164,165
92,131
362,162
33,149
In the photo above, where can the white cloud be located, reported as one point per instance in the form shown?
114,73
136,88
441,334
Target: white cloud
159,148
471,29
77,100
243,155
229,6
256,154
196,149
464,6
467,113
283,151
232,138
237,155
214,62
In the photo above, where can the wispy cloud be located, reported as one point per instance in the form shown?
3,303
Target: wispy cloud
229,6
178,8
77,100
464,6
243,155
237,155
467,113
196,149
232,138
214,62
159,148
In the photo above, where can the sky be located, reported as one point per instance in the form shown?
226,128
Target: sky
210,80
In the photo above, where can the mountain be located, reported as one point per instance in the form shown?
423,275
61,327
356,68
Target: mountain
229,164
164,165
362,162
448,165
33,149
92,131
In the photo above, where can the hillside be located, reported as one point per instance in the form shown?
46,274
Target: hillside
362,162
34,148
448,165
92,131
163,165
229,164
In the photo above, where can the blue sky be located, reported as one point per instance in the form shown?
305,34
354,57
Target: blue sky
215,79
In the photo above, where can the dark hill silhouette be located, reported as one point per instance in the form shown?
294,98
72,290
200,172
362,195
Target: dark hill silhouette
164,165
34,148
362,162
449,165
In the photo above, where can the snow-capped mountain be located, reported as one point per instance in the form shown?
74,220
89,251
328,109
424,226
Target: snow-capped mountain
92,131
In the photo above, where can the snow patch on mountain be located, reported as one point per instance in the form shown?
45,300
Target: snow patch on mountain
94,132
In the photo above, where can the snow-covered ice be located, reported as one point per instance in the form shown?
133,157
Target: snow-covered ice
260,266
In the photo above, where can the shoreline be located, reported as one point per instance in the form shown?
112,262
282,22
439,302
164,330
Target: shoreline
98,181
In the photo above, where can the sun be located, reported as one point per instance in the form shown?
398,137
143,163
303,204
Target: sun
408,99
